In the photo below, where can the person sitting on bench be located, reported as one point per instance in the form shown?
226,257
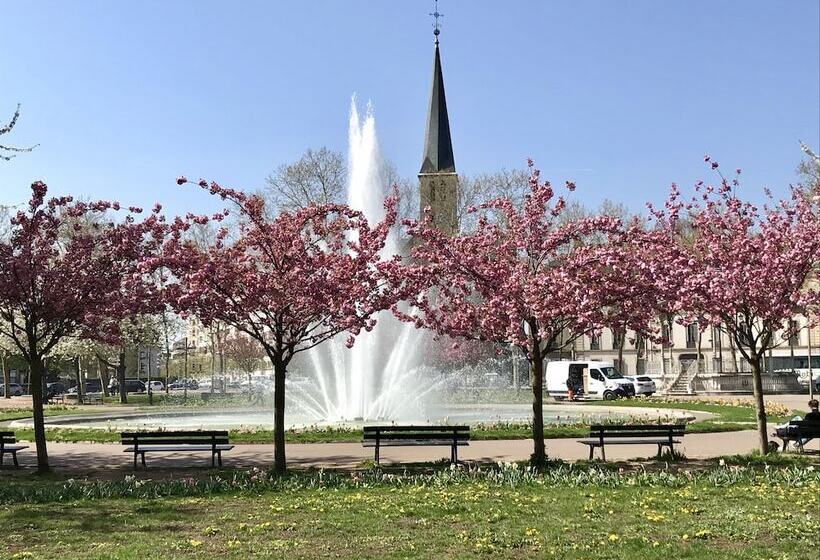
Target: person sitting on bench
783,431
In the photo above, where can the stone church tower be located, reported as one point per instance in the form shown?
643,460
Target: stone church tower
438,181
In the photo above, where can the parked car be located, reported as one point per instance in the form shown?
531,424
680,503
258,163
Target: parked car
131,386
589,380
15,389
643,384
181,383
156,386
55,388
91,386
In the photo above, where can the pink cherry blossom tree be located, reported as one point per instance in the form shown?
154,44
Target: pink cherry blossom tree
526,278
61,276
746,270
290,282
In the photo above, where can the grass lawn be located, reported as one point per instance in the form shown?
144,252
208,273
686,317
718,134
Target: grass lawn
732,513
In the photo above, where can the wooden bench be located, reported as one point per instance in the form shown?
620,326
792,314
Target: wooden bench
401,436
797,431
663,435
141,443
8,444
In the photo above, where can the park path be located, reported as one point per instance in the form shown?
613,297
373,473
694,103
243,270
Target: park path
107,459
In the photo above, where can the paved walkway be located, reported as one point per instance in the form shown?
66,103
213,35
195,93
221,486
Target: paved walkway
91,458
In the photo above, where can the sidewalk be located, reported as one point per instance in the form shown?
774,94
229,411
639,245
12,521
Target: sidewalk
108,459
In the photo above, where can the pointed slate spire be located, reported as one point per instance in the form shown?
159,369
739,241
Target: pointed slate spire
438,147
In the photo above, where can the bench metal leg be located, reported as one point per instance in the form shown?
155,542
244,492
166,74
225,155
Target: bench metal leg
591,450
135,460
1,459
219,457
143,459
377,453
603,454
14,458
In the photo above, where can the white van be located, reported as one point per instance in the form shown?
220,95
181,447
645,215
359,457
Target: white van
589,381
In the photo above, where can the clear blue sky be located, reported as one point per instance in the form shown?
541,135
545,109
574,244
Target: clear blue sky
623,97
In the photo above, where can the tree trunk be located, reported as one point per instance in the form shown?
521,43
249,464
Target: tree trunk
102,367
279,368
36,379
6,376
80,387
224,387
167,374
621,342
757,384
121,377
539,454
699,369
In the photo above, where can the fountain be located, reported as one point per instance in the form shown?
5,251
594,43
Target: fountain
378,378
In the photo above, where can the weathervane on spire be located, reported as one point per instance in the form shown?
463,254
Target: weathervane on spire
437,26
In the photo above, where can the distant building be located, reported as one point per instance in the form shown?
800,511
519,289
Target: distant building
722,367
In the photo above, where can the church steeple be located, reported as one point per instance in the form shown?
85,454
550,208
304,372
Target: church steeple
438,182
438,146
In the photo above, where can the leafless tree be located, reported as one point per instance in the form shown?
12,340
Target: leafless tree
318,176
246,354
809,168
476,189
7,152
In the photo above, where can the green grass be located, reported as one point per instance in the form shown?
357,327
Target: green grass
729,513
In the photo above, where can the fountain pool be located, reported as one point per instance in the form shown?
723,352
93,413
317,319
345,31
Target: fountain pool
470,414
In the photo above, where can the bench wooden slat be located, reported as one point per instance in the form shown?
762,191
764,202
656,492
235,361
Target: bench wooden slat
419,435
410,443
619,435
178,441
185,433
635,441
154,448
410,428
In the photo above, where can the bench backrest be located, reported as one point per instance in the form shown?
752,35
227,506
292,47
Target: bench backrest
804,428
189,437
398,433
637,430
7,438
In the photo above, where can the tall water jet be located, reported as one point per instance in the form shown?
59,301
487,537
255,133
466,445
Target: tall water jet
377,378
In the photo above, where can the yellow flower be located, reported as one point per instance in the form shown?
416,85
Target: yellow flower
195,543
613,537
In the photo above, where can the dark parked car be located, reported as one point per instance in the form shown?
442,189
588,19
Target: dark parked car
55,388
15,389
91,386
131,386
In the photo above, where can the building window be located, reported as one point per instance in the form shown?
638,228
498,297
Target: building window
617,340
595,342
691,335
